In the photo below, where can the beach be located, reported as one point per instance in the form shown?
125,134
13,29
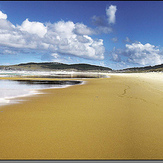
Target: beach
114,118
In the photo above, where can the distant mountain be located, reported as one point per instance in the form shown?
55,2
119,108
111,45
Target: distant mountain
156,68
49,66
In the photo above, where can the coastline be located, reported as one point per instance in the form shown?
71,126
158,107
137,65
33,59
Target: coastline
108,118
28,91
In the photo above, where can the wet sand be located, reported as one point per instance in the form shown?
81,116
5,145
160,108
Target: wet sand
105,119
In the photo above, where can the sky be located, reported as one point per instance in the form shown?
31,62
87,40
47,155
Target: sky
114,34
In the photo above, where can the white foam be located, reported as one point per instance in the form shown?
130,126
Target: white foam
10,91
10,73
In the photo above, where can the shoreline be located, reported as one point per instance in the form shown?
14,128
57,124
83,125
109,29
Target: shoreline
116,118
146,76
33,92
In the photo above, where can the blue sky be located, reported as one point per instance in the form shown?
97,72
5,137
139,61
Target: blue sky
115,34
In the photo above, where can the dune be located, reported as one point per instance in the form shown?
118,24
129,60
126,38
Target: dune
114,118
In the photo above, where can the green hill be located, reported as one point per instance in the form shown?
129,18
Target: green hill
55,66
156,68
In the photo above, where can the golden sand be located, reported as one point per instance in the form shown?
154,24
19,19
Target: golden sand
111,118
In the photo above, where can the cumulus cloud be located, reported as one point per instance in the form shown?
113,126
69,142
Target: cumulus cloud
110,12
82,29
33,28
101,21
141,54
66,38
6,25
146,54
2,15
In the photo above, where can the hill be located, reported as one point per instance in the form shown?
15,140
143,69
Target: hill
156,68
49,66
54,66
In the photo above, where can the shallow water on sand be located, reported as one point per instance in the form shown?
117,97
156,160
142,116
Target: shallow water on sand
11,89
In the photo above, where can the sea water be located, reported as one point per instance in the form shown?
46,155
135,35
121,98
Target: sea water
52,74
10,90
11,73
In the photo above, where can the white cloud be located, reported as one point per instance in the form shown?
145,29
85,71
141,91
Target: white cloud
102,22
33,28
138,53
55,55
110,12
63,39
57,58
56,38
105,30
82,29
146,54
6,25
2,15
63,28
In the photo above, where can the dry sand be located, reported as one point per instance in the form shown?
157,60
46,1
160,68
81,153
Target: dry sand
113,118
